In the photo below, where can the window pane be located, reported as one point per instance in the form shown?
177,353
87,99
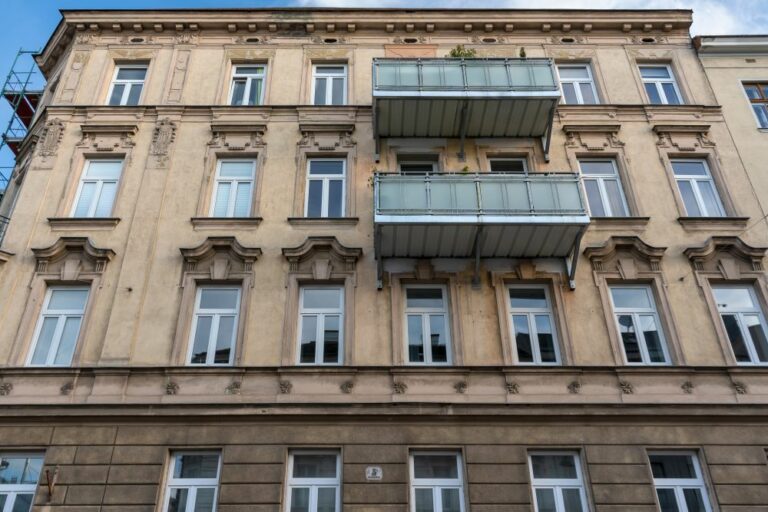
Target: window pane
300,499
613,191
218,298
554,466
3,498
322,298
762,115
415,339
68,340
511,165
117,94
740,351
654,72
255,96
631,298
545,500
320,85
689,168
694,500
569,92
652,339
326,167
87,192
653,94
710,198
435,466
105,169
131,73
326,499
522,338
202,336
587,93
572,500
315,199
757,333
667,500
424,500
249,70
451,500
204,499
671,93
238,91
546,339
310,465
596,207
203,465
416,169
573,72
243,200
106,200
20,470
424,298
23,503
73,299
331,70
731,298
600,167
222,199
43,345
752,91
528,298
337,92
629,339
672,466
308,339
134,93
438,338
236,169
224,339
331,340
689,199
177,501
335,198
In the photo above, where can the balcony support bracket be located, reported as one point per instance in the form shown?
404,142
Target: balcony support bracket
476,250
463,131
546,139
571,261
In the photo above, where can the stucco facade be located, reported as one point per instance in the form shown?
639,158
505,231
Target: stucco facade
109,422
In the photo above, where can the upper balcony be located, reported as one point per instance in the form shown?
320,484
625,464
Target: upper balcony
488,215
464,97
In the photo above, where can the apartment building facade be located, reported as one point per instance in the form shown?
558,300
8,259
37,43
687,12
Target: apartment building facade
303,260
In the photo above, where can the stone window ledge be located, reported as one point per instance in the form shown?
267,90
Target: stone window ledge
224,222
709,223
323,221
82,223
613,223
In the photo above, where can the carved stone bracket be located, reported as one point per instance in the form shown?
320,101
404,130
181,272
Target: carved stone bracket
592,137
5,388
622,254
626,387
513,388
220,256
285,387
687,387
347,387
728,256
171,388
461,387
107,137
71,256
399,387
233,388
683,137
574,387
322,255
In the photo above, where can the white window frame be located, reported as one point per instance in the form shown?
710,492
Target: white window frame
99,187
740,313
426,330
62,315
577,82
313,483
129,84
321,313
746,83
193,484
508,159
558,484
12,490
326,179
694,179
249,79
436,484
600,179
216,315
531,314
636,313
678,484
657,84
233,182
317,73
400,163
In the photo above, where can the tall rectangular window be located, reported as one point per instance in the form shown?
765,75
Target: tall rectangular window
508,165
321,315
325,188
557,482
314,481
532,325
744,323
697,188
58,327
602,185
660,85
679,482
757,94
127,84
233,188
214,327
638,324
247,85
426,320
19,474
437,482
97,189
193,482
577,84
329,84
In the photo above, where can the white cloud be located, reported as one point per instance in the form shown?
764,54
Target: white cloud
709,16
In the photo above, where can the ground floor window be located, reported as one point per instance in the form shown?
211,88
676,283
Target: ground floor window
314,481
557,482
437,483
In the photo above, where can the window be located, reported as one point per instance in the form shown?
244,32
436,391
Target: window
557,482
603,188
313,482
679,483
638,325
193,482
426,316
744,323
697,188
233,188
757,93
247,85
329,84
660,85
437,483
127,84
321,316
19,474
325,188
97,189
508,165
532,325
577,84
417,164
58,328
215,325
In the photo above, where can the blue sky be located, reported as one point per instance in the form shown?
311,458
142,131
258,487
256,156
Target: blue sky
28,23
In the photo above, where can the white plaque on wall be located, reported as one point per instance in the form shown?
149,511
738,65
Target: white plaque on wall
373,473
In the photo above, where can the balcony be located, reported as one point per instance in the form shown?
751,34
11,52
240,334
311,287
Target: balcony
461,98
479,216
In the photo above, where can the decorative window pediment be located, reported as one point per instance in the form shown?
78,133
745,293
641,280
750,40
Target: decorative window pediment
322,256
689,137
222,257
237,136
627,255
728,256
70,257
326,137
107,137
592,137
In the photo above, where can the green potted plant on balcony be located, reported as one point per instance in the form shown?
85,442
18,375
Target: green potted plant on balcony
462,53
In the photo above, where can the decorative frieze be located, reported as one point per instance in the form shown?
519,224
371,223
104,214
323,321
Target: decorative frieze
105,138
686,138
592,137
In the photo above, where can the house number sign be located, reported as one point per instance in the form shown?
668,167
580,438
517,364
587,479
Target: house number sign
373,473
